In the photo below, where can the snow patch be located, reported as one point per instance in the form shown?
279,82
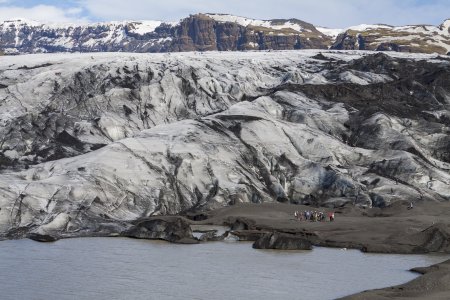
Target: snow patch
364,27
144,27
256,23
445,26
331,32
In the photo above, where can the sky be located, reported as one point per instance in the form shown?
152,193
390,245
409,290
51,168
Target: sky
329,13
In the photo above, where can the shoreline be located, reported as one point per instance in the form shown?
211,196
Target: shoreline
292,263
394,229
391,230
432,284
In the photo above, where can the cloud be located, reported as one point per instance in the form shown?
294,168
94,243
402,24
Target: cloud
43,13
330,13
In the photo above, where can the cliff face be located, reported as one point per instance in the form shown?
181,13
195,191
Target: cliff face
196,33
211,32
215,32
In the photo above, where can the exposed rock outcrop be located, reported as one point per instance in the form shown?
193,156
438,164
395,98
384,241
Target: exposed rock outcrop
282,241
44,238
171,229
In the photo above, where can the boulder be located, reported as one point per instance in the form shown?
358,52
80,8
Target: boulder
44,238
171,229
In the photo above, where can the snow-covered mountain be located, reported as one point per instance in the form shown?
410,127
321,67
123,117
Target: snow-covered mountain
203,32
91,142
412,38
24,36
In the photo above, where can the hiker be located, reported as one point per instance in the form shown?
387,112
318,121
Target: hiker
411,206
331,216
321,217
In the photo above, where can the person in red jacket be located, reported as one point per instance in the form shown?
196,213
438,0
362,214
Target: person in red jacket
331,216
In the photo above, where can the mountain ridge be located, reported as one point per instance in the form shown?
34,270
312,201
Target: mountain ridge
216,32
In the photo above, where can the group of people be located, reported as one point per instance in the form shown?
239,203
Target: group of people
314,216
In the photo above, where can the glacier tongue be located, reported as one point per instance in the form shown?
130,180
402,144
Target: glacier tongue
90,142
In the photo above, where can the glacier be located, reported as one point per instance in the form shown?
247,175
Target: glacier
92,142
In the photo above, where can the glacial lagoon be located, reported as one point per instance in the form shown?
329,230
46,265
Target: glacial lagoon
118,268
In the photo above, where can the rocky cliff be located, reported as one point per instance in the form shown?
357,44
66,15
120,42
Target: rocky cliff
92,142
196,33
206,32
414,38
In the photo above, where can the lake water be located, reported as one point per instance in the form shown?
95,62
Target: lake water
116,268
